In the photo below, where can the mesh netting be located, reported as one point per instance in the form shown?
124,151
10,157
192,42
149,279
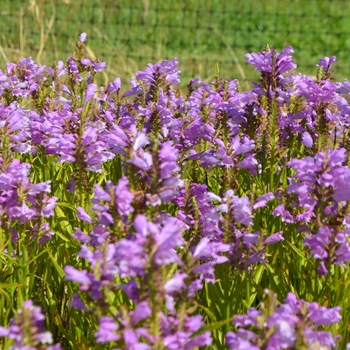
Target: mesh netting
129,34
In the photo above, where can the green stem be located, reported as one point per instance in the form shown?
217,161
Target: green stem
155,324
247,289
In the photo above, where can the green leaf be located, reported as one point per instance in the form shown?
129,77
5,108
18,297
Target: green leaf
58,267
208,312
66,205
298,251
214,326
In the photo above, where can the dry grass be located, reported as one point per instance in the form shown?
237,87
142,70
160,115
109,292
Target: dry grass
41,16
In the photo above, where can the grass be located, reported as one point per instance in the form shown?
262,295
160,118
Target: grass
128,35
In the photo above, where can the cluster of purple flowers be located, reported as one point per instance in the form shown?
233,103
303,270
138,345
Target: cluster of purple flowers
320,191
22,79
153,247
211,183
23,202
292,325
27,329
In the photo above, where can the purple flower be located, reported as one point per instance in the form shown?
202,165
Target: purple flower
329,246
49,205
274,238
261,201
73,70
14,127
341,178
326,63
90,92
167,70
182,339
321,316
135,88
319,243
240,208
249,320
142,160
285,214
104,267
130,265
113,200
114,86
74,275
204,339
263,61
307,139
237,342
123,196
165,239
106,332
22,201
99,66
206,248
175,283
141,312
82,215
78,303
82,37
131,289
168,156
168,239
22,213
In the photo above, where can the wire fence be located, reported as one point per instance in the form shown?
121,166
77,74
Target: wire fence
129,34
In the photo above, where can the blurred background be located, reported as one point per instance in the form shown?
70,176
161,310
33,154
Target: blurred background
128,34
